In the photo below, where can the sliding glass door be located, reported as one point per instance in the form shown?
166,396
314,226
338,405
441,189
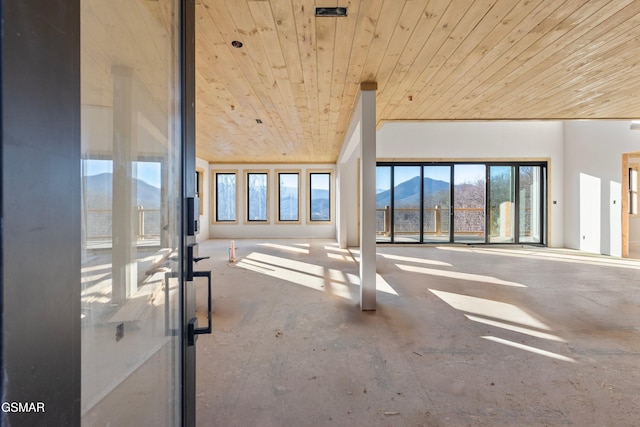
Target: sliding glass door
436,203
530,209
501,204
407,188
471,203
469,195
131,213
383,204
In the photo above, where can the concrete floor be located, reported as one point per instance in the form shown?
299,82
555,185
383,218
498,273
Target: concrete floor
462,337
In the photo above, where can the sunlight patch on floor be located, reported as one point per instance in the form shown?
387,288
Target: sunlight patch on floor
530,349
551,255
287,248
300,273
384,286
457,275
414,260
491,309
514,328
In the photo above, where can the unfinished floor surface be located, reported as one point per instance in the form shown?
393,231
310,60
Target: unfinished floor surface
462,336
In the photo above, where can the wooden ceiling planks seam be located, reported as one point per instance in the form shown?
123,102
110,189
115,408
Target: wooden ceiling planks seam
275,106
271,44
457,59
500,46
491,47
341,90
529,50
248,71
551,61
525,69
344,85
306,37
216,100
413,57
585,77
463,39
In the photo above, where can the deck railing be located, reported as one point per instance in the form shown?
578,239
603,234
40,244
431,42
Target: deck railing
99,224
436,221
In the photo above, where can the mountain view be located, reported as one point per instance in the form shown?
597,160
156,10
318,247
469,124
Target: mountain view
98,197
407,194
320,205
98,192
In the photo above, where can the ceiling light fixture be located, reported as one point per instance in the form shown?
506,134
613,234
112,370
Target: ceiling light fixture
237,44
331,11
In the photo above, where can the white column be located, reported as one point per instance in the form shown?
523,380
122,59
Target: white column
368,196
124,214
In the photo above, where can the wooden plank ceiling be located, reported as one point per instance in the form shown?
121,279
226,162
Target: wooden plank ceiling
432,60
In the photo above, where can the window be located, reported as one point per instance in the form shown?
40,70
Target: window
257,196
320,196
288,196
225,196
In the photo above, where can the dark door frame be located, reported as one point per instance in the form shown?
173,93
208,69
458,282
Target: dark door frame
40,222
41,180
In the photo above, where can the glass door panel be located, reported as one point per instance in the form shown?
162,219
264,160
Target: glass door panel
383,204
501,204
436,203
131,218
530,204
469,203
407,189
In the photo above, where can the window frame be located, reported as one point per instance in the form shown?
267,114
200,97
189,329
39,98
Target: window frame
329,172
279,172
266,172
214,196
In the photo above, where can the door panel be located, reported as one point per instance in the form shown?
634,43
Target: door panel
383,204
406,203
530,204
502,204
469,203
436,204
131,213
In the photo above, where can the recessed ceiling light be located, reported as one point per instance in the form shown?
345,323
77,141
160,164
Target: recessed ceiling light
237,44
331,11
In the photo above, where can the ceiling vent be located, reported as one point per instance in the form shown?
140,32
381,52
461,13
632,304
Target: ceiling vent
331,11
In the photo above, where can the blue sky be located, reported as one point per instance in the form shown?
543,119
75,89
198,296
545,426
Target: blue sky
468,173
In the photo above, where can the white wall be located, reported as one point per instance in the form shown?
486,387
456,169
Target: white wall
272,229
483,141
205,198
593,176
349,210
585,159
